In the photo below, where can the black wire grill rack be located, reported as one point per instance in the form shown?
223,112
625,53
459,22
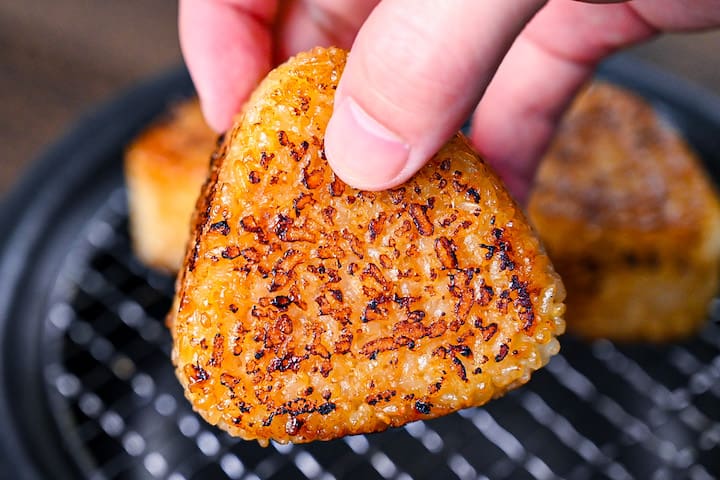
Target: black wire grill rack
598,410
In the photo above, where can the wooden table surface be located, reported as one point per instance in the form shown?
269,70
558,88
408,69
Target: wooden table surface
60,58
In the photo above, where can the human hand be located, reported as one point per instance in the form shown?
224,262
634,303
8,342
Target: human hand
419,68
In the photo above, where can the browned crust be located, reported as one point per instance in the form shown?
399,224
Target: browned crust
629,218
309,310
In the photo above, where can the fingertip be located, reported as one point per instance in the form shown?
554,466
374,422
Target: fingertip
227,51
361,151
410,82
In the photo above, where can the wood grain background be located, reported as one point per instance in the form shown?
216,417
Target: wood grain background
60,58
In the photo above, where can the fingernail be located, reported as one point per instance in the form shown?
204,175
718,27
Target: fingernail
361,150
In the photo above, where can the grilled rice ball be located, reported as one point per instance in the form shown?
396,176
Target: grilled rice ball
164,169
630,220
309,310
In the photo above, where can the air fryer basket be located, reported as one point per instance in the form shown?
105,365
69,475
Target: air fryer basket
88,388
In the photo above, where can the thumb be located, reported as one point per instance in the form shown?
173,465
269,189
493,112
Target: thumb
412,79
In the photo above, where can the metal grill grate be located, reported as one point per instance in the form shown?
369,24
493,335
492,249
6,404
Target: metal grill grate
598,410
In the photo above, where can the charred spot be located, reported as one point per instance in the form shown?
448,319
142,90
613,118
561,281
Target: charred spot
404,302
419,216
523,302
430,203
250,254
337,295
283,138
326,408
221,227
386,262
488,331
304,106
325,368
405,342
423,408
502,305
282,302
376,225
249,224
282,224
344,343
434,388
329,251
471,192
460,288
230,252
374,310
502,353
485,295
268,421
259,354
442,183
284,363
312,179
287,231
217,351
490,250
333,276
457,364
328,214
459,368
373,271
233,308
380,397
373,347
397,195
284,324
410,330
445,251
195,373
243,407
445,165
229,382
436,329
302,201
505,262
458,186
265,159
463,350
416,316
337,186
477,371
447,221
497,233
194,256
254,177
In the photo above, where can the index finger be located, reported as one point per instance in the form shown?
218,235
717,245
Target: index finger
227,49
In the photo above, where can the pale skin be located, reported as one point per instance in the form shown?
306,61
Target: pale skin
419,68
